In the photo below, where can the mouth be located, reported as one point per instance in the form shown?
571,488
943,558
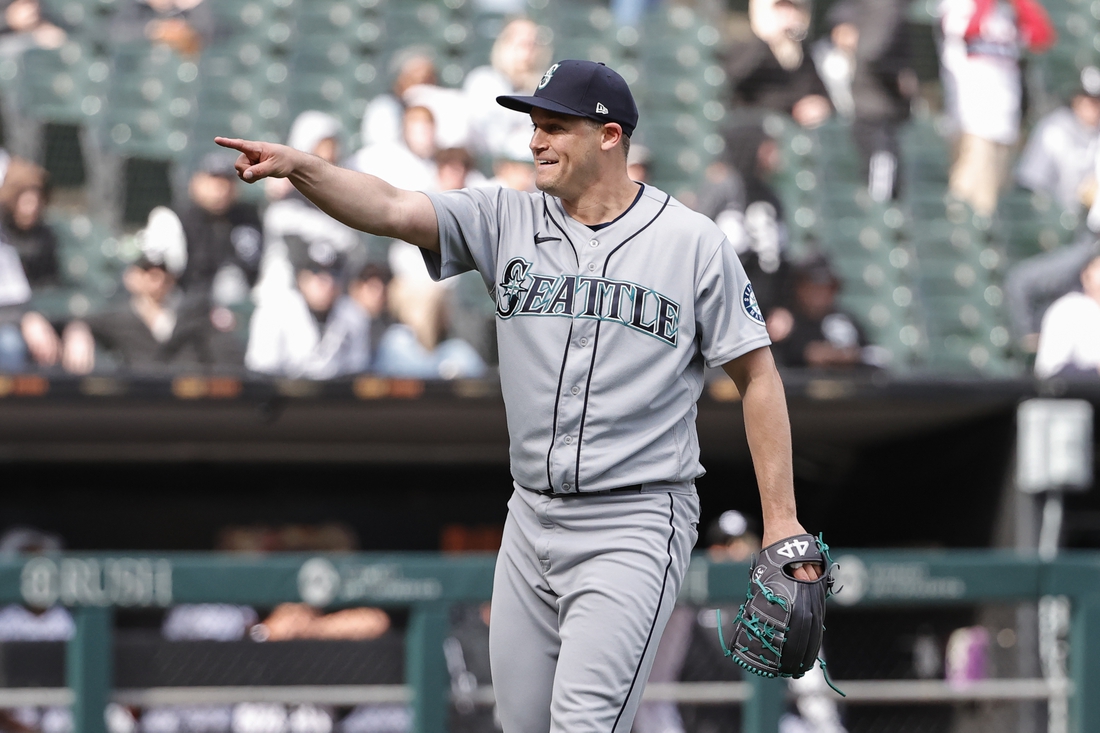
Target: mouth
542,163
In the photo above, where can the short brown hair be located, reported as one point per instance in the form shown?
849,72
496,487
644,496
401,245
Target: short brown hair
22,176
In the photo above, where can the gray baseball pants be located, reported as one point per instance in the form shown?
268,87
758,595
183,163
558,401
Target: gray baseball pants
583,588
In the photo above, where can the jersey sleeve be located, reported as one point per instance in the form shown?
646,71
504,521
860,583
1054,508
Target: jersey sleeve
469,232
728,319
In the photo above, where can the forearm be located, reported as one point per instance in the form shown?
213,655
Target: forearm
366,202
768,430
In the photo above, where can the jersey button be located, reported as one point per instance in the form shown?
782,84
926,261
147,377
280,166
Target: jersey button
594,243
575,390
565,487
584,342
569,440
592,266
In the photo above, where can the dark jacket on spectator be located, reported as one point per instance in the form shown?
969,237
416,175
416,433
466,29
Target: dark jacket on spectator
882,54
194,341
758,80
837,329
37,248
233,238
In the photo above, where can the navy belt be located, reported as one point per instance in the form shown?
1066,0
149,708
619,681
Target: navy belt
635,489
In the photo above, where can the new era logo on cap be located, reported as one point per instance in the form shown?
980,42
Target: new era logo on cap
583,89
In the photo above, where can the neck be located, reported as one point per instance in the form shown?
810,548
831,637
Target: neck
603,201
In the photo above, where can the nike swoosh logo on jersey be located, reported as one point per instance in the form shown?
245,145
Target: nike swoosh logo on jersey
539,239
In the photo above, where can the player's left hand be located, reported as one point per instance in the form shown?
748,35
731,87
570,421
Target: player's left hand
778,531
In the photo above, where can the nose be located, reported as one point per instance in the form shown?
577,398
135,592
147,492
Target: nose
538,141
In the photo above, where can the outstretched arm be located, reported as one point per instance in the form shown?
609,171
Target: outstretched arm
359,200
769,433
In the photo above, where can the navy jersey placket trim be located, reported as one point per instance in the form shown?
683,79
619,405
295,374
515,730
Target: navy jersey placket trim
596,340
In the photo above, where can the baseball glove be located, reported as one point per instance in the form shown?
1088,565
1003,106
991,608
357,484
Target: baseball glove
778,629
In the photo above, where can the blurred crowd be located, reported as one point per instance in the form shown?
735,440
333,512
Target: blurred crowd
278,288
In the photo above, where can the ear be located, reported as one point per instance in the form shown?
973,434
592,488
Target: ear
612,133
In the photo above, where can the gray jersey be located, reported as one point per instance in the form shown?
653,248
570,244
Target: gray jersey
602,334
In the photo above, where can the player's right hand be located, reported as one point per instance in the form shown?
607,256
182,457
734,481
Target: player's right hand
260,160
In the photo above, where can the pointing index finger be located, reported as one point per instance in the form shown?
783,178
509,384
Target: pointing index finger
247,147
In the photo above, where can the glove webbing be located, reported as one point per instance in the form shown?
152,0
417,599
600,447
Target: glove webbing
765,632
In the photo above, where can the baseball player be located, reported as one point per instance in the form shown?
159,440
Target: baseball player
611,296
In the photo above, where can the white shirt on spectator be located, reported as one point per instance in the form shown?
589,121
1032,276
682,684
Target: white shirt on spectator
395,164
1069,335
20,624
492,127
1058,157
982,91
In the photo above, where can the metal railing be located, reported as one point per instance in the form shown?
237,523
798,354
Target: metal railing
427,584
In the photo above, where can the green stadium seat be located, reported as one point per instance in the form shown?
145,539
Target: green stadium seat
54,85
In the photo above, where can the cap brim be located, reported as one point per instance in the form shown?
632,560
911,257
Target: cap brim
526,104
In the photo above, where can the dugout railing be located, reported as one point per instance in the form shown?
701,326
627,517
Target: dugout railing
93,586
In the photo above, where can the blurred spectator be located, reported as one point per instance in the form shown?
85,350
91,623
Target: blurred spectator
835,55
409,163
291,621
517,62
1069,344
222,239
865,66
382,120
312,331
980,70
25,25
402,353
771,70
732,537
199,622
291,214
739,198
23,332
1033,284
158,326
467,653
300,621
20,623
638,162
186,26
814,332
454,169
416,85
406,162
28,263
1060,153
328,537
208,621
23,198
514,164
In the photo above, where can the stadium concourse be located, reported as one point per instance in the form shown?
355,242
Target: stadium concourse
191,364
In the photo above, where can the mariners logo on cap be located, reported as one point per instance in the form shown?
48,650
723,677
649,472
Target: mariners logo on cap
752,308
548,76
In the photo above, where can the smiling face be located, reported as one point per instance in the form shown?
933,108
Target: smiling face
566,151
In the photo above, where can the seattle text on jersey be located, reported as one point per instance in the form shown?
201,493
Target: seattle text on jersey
521,293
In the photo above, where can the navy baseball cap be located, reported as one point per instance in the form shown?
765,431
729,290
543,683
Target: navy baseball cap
582,89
